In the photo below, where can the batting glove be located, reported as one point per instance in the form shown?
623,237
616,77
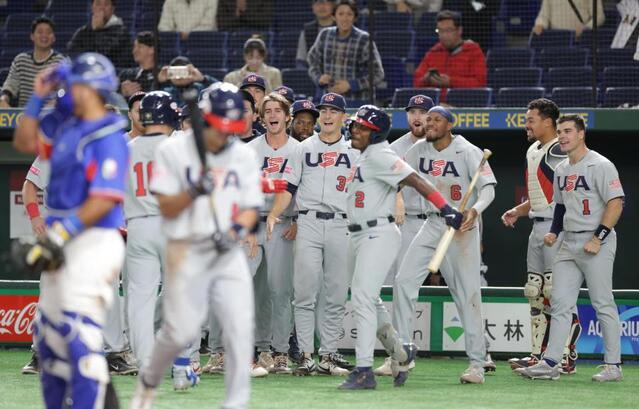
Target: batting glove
452,216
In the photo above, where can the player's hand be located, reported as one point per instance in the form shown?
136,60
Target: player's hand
452,217
41,86
538,29
550,239
202,186
129,88
441,80
325,79
579,30
509,218
468,222
273,185
37,226
340,87
400,218
271,220
251,243
290,232
593,246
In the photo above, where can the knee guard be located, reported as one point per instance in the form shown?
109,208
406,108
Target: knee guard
534,286
547,286
539,324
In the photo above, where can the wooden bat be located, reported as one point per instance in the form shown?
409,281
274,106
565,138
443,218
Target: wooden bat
447,237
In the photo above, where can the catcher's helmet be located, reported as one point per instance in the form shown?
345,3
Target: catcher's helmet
159,108
94,70
374,119
222,107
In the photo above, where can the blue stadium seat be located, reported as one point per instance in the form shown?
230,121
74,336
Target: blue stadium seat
426,24
62,38
620,76
563,57
286,58
238,38
217,73
616,57
604,37
518,16
287,40
403,95
515,77
518,97
299,80
469,97
395,76
206,39
390,21
6,58
3,74
205,57
509,57
395,43
292,21
168,47
19,22
235,59
572,96
568,77
551,38
17,40
618,96
70,21
65,6
146,21
355,103
287,6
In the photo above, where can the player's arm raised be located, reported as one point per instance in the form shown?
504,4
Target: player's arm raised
427,191
25,137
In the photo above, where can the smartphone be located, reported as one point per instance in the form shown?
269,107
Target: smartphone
178,72
434,72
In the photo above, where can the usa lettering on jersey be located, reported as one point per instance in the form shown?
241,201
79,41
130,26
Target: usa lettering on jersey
438,167
222,177
572,182
328,159
275,164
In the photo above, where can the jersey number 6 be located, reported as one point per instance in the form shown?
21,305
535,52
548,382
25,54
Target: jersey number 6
138,168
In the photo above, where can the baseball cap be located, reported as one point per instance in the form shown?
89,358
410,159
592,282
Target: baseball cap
180,60
333,100
420,101
286,92
135,97
445,112
304,105
253,79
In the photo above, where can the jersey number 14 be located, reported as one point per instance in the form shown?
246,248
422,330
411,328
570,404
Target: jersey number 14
141,182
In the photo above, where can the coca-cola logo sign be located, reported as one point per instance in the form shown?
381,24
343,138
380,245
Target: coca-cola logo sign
17,317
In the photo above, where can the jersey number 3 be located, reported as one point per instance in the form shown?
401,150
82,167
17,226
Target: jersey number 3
141,182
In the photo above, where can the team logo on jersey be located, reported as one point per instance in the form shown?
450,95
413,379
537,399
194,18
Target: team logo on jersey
221,176
615,184
328,159
276,164
109,169
438,167
355,174
397,166
572,182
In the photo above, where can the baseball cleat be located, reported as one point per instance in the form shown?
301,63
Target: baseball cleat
385,368
359,379
523,362
609,373
215,364
32,367
328,367
265,360
489,365
281,364
121,363
143,396
257,371
308,366
540,371
569,364
400,379
183,377
473,374
340,361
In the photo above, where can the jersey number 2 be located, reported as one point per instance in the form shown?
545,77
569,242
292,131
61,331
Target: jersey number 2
359,198
138,168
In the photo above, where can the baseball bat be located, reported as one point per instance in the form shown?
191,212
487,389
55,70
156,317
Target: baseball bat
447,237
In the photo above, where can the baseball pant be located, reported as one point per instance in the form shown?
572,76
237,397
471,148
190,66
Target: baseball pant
572,266
371,253
460,269
409,230
115,339
194,276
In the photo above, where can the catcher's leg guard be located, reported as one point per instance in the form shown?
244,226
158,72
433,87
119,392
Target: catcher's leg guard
391,342
54,376
569,360
539,320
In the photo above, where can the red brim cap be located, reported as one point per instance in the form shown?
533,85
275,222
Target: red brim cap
226,125
367,124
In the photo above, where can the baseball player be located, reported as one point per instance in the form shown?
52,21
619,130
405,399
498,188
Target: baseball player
145,242
542,158
375,239
255,84
318,177
305,117
448,161
137,128
205,212
588,203
81,253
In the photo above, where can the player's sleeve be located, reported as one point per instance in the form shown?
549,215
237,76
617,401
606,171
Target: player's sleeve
105,166
295,161
412,155
165,179
486,176
39,173
556,197
390,168
608,182
251,196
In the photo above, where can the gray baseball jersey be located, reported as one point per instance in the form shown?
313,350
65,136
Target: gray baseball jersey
585,188
39,175
413,202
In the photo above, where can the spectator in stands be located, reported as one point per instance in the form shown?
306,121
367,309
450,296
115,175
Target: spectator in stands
338,60
238,14
452,62
417,7
477,18
142,77
177,85
560,15
105,34
185,16
19,83
254,57
323,10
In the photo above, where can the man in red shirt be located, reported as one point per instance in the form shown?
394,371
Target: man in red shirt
452,62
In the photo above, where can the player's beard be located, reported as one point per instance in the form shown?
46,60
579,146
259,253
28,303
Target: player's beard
418,132
433,137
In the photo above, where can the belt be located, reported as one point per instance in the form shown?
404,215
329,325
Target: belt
421,216
370,223
263,218
324,215
541,219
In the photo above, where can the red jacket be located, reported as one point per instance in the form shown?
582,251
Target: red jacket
466,66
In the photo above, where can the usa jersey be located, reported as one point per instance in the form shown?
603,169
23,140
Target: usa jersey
451,169
237,181
139,202
413,203
372,188
321,171
274,164
585,188
87,158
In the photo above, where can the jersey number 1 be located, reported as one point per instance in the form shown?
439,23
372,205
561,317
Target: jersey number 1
138,168
586,204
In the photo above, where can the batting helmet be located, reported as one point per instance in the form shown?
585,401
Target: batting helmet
159,108
222,107
94,70
374,119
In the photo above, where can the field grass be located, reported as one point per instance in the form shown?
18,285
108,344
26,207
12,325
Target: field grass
433,384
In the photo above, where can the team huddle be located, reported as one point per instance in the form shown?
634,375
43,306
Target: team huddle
257,229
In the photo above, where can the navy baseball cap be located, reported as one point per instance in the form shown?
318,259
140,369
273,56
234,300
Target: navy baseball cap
445,112
333,100
286,92
253,79
420,101
304,105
